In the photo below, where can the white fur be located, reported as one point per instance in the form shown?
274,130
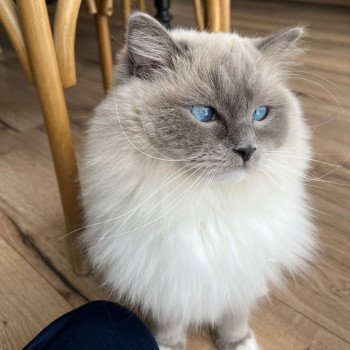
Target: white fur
249,344
195,259
192,262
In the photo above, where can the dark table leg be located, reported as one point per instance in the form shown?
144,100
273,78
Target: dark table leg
163,15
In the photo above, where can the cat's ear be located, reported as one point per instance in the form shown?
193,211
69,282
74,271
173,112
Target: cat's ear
280,44
148,43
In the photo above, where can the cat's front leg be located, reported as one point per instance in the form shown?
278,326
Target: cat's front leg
170,336
233,333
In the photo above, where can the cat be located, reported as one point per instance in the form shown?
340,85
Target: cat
192,179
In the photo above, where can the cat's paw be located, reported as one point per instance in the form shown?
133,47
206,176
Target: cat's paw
164,347
247,343
170,337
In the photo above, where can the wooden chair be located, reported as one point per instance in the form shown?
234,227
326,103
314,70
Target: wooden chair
47,58
216,15
48,61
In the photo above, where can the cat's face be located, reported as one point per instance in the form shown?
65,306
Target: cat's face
217,101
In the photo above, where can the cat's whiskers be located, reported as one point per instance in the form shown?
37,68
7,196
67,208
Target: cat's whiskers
307,178
178,199
167,181
141,137
210,176
158,203
134,146
282,153
211,180
317,179
267,170
310,177
283,175
314,127
329,172
312,96
317,75
205,191
324,123
115,39
341,110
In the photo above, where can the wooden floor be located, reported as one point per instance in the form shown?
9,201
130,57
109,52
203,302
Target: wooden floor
36,280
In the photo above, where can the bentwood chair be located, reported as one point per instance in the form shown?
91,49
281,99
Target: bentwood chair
215,17
47,58
48,61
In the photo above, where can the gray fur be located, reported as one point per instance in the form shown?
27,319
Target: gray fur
175,71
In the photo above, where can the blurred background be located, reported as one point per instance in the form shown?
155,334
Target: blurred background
37,283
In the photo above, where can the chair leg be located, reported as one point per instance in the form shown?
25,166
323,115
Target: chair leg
105,49
126,8
9,19
141,5
41,51
198,14
163,15
212,15
106,7
91,7
225,9
64,38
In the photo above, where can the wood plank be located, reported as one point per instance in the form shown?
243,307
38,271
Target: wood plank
28,302
327,2
31,200
327,341
278,326
322,296
26,247
14,88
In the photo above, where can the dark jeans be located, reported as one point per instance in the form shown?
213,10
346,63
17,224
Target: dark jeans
94,326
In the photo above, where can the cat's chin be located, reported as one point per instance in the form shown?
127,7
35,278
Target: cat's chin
234,175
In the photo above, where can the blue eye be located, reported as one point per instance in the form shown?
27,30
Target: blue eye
260,113
203,113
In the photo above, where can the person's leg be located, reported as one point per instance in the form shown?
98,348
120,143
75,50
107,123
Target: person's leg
93,326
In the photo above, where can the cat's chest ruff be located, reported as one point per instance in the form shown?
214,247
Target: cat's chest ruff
236,227
223,247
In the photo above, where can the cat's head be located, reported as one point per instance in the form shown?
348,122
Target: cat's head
212,100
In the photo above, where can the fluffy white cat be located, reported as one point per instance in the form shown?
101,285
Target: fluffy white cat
193,179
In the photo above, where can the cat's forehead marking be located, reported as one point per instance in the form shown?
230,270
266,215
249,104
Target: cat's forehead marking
229,76
219,54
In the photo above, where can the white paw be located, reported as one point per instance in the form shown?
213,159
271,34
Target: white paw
249,344
163,347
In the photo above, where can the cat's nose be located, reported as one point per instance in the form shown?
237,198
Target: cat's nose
245,152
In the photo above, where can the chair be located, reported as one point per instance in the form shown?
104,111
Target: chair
216,15
47,58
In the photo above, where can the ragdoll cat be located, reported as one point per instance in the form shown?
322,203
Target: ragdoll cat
192,180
